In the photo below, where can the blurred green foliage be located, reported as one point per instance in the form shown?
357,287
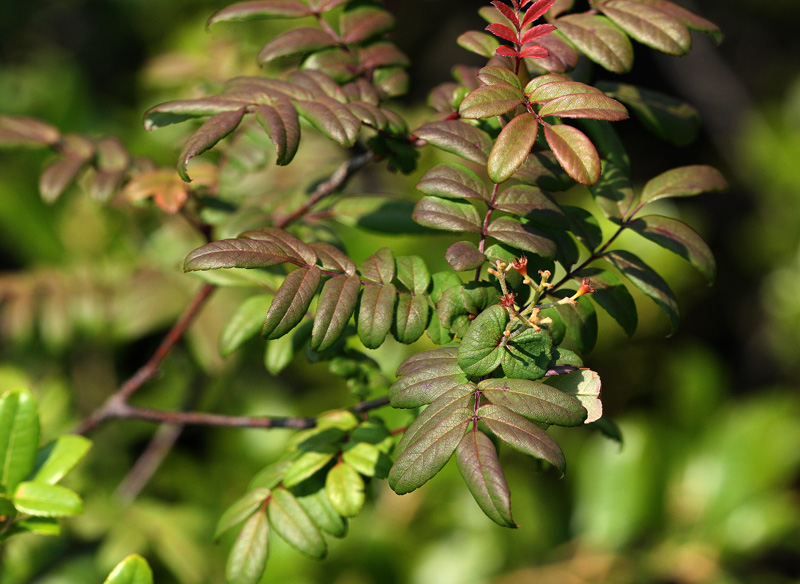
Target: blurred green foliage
703,490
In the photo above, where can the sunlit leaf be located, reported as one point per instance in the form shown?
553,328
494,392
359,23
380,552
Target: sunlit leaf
575,152
345,489
613,192
425,384
453,181
650,26
585,105
291,246
332,258
690,19
337,301
534,400
499,76
297,41
685,181
44,500
599,39
260,9
19,436
512,147
490,101
241,510
59,457
132,570
292,523
679,238
174,112
375,314
413,274
480,351
480,468
447,214
585,385
248,556
206,136
464,255
458,138
379,267
291,302
235,253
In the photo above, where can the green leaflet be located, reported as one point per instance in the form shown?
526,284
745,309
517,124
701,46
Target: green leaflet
43,500
527,354
19,436
308,464
132,570
289,520
245,323
248,557
534,400
241,510
316,503
379,267
481,349
59,457
584,385
345,489
613,297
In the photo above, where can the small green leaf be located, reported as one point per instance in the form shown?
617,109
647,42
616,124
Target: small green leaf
297,41
489,101
43,500
248,557
648,281
316,503
650,26
245,323
527,354
512,147
585,385
345,489
132,570
367,459
292,523
411,318
613,297
19,436
521,434
458,138
59,457
337,301
260,9
534,400
428,454
480,468
241,510
206,136
291,302
270,476
447,214
308,464
481,349
413,274
613,193
679,238
375,314
575,152
478,42
599,39
686,181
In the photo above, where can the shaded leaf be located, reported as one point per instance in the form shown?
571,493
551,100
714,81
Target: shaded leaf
165,187
428,359
411,318
575,152
298,41
447,214
512,147
527,354
18,131
248,557
524,237
490,100
245,323
375,314
599,39
522,435
579,322
424,385
235,253
541,169
241,510
379,267
613,297
428,454
534,400
283,127
364,22
585,385
112,163
457,397
561,57
453,181
613,192
392,81
337,302
478,42
59,457
44,500
679,238
19,436
647,280
58,176
212,131
458,138
482,348
345,489
585,226
648,25
685,181
132,570
260,9
292,247
381,54
369,114
464,255
607,142
289,520
340,65
173,112
480,468
332,258
332,119
319,508
291,302
533,203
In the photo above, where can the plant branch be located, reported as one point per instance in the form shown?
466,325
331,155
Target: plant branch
596,254
146,372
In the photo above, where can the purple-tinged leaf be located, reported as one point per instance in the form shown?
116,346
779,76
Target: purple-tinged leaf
290,246
522,435
686,181
613,192
506,51
413,274
260,9
332,119
361,91
541,169
425,384
541,91
337,301
427,455
679,238
375,314
298,41
584,385
648,281
206,136
490,101
411,318
270,87
429,359
248,556
16,131
524,237
112,163
512,147
332,258
318,84
57,177
457,397
457,137
504,32
292,523
291,302
559,7
392,81
499,76
690,19
453,181
585,105
480,468
369,114
364,22
562,57
464,255
599,39
482,347
174,112
533,203
283,127
379,267
534,84
447,215
534,52
648,25
382,54
326,5
668,118
613,297
575,152
537,31
534,400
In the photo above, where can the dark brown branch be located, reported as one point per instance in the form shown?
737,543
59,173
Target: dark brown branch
149,370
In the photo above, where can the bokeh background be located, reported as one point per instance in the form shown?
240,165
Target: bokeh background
706,486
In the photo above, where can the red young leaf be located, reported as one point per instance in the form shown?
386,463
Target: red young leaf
507,12
537,10
506,51
503,32
535,52
536,32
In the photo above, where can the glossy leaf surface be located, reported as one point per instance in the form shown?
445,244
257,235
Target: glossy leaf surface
458,138
19,436
55,460
679,238
512,147
575,152
375,314
132,570
44,500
